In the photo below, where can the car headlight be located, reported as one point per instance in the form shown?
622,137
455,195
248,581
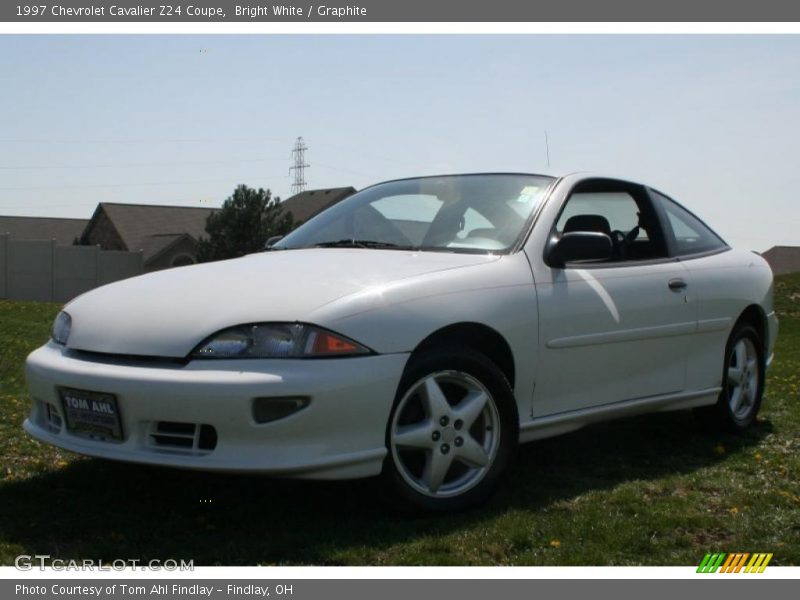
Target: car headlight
61,328
277,340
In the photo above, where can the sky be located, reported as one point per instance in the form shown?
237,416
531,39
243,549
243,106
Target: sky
711,120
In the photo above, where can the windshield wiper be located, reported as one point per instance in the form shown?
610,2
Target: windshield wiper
351,243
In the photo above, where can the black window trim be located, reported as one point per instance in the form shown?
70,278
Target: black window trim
669,234
654,206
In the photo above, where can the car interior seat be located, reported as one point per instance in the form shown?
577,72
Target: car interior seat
596,223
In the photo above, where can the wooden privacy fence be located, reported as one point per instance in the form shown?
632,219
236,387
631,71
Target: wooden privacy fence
43,271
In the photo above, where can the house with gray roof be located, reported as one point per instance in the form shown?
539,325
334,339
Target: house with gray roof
63,231
165,235
783,259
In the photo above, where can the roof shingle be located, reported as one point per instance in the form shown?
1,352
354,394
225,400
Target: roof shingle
64,231
150,227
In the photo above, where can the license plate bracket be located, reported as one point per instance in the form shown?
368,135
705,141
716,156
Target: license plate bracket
94,415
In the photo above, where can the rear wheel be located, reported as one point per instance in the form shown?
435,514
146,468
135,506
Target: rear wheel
742,382
452,431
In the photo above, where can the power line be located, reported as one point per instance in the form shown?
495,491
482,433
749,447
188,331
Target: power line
137,140
71,204
137,184
158,164
38,206
370,154
341,169
154,183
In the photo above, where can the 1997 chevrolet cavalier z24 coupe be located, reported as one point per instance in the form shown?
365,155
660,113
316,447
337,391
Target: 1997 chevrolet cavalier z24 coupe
421,328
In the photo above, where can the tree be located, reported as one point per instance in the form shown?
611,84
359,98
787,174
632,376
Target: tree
242,226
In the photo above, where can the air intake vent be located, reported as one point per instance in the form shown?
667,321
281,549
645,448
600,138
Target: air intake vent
52,418
188,438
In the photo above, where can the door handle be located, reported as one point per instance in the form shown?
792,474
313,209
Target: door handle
676,285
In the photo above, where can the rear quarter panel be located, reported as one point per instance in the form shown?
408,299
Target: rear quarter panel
723,285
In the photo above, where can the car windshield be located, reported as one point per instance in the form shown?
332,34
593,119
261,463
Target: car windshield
457,213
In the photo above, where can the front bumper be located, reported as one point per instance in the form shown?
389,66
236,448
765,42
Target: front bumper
340,434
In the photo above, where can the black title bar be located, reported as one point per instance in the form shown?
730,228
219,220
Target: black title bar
98,11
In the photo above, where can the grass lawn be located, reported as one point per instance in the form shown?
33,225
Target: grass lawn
652,490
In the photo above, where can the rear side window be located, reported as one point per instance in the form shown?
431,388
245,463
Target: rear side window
690,235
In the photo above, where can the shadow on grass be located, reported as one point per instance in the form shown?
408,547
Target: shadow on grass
106,510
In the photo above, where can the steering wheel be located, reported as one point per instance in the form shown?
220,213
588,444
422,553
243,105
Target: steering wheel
623,240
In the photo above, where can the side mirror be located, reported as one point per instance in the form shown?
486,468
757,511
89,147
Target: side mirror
576,246
272,241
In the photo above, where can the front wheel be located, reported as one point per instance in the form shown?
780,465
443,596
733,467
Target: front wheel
452,431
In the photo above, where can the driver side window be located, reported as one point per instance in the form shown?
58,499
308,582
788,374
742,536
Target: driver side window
617,208
621,213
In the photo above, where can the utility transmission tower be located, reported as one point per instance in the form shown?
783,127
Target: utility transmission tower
299,167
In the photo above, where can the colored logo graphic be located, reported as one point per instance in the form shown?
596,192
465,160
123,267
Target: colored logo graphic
735,563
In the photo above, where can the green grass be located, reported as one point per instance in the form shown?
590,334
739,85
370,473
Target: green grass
652,490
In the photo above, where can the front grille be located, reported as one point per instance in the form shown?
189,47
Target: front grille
128,359
187,438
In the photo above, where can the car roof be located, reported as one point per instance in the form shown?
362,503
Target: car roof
572,175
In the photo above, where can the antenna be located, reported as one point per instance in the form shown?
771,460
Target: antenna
547,147
299,167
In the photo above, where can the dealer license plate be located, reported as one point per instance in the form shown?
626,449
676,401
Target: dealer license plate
91,414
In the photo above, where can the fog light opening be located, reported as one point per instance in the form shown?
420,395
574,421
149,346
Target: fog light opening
207,440
266,410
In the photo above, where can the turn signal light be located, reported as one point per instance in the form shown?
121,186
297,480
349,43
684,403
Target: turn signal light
325,343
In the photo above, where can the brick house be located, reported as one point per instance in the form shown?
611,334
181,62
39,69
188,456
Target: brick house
166,235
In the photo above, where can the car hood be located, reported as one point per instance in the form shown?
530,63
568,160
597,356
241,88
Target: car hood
168,313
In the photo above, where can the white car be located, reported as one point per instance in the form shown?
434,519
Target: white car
421,328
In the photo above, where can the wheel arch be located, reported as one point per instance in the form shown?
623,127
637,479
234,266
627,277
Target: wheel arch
755,316
478,337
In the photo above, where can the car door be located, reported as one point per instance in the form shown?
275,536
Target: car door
715,283
617,329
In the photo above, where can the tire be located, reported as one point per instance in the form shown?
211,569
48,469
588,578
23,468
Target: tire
742,383
452,431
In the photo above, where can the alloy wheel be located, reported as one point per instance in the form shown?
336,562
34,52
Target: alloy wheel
445,434
743,378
